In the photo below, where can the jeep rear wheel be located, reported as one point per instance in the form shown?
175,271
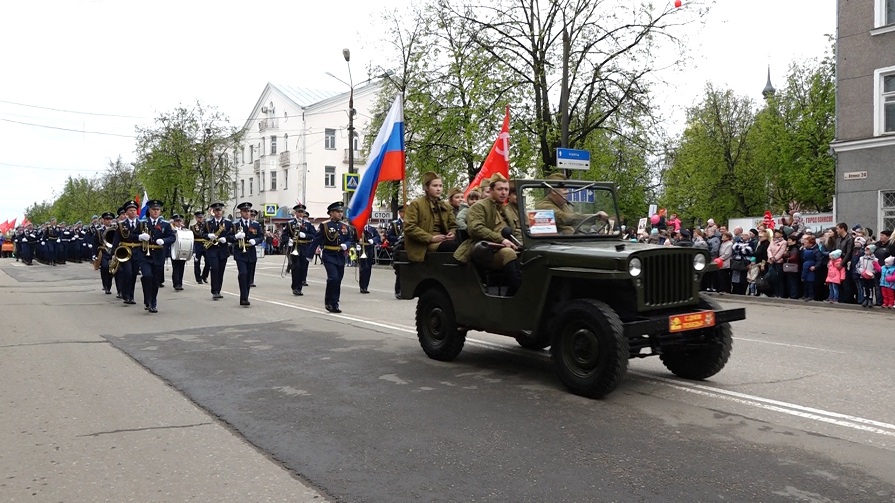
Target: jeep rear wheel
436,326
590,350
701,360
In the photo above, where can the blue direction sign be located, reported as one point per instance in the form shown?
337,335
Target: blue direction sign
350,181
567,158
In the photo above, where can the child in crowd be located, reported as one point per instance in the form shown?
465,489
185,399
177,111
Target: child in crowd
753,271
867,267
887,283
835,275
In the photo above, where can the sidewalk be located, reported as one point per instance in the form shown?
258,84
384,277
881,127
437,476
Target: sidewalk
729,297
81,421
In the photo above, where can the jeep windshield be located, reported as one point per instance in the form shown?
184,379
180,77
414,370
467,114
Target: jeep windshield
556,208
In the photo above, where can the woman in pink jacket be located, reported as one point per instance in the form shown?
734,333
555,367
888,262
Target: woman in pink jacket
776,254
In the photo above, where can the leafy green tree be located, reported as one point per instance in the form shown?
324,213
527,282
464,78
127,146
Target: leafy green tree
38,213
183,159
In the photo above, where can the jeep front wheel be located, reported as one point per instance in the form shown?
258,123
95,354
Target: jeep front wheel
705,358
590,350
436,326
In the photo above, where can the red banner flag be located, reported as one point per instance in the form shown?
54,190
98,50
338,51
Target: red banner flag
13,224
498,160
4,227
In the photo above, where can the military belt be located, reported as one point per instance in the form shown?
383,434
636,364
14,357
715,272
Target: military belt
197,240
332,248
304,242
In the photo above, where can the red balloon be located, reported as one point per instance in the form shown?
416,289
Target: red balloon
677,3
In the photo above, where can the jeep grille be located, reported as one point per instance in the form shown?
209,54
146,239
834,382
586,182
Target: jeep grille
667,279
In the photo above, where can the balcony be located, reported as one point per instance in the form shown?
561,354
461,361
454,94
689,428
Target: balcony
359,157
269,123
285,159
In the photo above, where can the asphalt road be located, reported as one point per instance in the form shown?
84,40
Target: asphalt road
349,405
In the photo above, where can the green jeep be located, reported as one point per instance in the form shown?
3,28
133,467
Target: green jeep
593,298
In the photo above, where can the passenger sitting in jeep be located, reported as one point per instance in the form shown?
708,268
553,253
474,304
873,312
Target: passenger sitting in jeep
429,224
486,221
555,199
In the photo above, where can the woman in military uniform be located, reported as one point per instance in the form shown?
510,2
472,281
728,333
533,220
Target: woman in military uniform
333,236
430,224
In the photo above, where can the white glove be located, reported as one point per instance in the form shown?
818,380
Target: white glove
160,242
222,240
144,237
370,241
343,246
291,242
252,242
42,243
90,246
211,236
239,235
92,258
302,235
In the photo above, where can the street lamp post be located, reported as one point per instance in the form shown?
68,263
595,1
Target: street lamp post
347,55
210,165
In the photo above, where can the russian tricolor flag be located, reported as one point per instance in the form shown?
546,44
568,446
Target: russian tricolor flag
145,206
386,164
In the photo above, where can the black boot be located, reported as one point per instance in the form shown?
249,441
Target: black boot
512,277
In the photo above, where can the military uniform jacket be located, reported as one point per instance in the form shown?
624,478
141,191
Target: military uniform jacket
252,230
158,230
421,217
486,219
222,229
370,232
331,236
395,232
293,227
565,215
199,236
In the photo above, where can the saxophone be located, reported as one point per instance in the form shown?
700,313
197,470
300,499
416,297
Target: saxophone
217,234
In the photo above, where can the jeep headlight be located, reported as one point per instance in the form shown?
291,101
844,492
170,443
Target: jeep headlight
635,267
699,262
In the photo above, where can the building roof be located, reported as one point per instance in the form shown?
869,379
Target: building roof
303,96
768,88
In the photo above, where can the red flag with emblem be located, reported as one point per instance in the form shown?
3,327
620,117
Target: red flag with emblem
498,160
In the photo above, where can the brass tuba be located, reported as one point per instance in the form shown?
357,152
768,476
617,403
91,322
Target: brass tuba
122,254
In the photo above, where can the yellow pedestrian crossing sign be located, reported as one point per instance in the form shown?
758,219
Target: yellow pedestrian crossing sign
350,181
270,209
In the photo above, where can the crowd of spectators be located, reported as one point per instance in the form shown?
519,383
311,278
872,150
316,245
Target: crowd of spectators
785,259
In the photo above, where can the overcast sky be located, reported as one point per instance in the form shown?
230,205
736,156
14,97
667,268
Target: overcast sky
107,65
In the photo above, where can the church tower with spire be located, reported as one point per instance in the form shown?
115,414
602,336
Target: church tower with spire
768,90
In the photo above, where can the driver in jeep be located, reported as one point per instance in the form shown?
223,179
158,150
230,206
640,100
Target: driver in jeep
486,221
566,217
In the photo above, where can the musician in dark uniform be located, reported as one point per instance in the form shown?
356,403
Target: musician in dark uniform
217,232
395,236
127,236
299,233
104,253
333,236
122,216
155,234
177,266
245,236
368,241
29,240
51,237
199,240
260,245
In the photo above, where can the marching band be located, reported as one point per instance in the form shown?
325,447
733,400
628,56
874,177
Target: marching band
128,246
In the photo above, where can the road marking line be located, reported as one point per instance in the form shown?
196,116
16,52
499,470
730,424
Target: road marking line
788,345
835,418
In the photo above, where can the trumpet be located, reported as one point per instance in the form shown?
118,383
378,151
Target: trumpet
217,235
241,242
146,248
295,230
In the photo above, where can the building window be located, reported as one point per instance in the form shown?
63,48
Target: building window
285,179
261,182
263,147
273,144
251,183
251,156
329,177
273,180
242,188
243,154
887,208
884,13
355,142
329,139
285,142
884,98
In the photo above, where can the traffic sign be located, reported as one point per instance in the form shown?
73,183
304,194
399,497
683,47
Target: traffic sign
350,181
270,209
567,158
382,215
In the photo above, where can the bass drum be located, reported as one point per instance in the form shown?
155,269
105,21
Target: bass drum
182,249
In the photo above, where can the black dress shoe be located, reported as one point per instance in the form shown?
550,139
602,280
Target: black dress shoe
108,292
398,295
178,288
364,290
205,280
118,296
304,283
146,307
130,301
153,310
161,285
336,309
329,308
244,302
297,292
252,285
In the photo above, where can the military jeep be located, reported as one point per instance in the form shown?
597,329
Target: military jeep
595,300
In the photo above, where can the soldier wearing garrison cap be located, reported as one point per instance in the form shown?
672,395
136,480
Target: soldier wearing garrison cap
298,234
333,237
199,240
217,232
247,234
486,222
555,199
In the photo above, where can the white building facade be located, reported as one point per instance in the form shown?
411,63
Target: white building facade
296,148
